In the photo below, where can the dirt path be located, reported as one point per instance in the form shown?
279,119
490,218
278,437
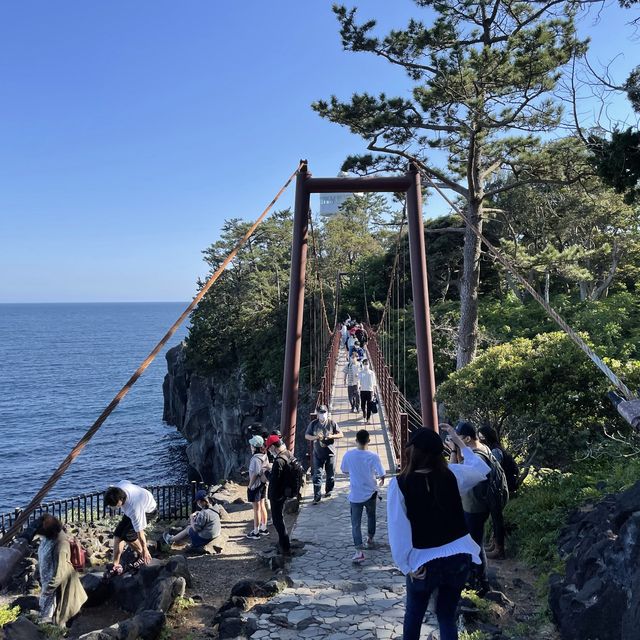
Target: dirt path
214,576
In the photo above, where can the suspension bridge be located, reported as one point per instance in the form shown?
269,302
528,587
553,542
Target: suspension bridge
332,598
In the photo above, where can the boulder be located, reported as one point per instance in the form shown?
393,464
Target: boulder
237,627
163,593
26,603
599,594
98,590
146,625
249,589
155,585
22,629
216,546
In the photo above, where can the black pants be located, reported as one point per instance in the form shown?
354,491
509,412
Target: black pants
277,507
497,519
475,524
365,396
125,530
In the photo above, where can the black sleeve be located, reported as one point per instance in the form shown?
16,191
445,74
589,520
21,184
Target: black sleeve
276,490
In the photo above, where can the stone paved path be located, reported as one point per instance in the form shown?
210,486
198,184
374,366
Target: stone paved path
332,597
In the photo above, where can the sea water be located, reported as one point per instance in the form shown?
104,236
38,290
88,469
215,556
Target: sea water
60,366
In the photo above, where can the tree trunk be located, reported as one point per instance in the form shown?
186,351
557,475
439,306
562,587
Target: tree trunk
469,284
584,290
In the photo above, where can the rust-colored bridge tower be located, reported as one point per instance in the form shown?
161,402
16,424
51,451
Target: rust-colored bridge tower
409,183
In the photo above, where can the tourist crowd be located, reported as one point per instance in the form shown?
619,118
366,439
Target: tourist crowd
437,506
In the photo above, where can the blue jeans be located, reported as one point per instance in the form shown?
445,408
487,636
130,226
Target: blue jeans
475,524
329,464
356,519
448,576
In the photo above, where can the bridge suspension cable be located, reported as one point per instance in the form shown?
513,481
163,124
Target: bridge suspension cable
82,443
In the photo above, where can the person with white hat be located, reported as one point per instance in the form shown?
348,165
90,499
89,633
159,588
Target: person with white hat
257,489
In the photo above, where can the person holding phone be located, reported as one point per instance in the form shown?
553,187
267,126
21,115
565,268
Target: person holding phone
428,535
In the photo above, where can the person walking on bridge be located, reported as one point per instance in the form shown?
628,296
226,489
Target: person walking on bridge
429,538
365,470
323,432
352,380
367,389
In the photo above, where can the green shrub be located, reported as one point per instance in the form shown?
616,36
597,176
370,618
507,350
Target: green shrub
539,392
8,614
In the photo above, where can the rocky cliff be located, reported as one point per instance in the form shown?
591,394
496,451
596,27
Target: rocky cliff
217,415
598,598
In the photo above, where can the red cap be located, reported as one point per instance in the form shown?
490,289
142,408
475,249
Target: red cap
271,440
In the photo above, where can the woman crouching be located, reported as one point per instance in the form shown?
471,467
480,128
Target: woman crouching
429,539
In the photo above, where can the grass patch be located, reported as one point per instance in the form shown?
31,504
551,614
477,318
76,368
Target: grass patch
474,635
8,614
484,607
53,631
182,604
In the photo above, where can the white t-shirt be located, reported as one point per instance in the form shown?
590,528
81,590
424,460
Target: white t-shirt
363,467
139,502
366,380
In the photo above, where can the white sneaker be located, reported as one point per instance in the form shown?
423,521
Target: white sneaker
358,557
167,537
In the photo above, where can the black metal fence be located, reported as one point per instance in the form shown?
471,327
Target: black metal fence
175,501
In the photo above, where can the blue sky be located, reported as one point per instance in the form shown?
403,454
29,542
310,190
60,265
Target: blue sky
130,130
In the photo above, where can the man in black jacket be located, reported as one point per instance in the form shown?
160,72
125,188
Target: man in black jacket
277,485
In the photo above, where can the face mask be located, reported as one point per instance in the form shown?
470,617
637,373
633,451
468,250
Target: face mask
366,366
322,417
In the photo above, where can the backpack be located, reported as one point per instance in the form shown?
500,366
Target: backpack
78,554
511,471
495,493
293,477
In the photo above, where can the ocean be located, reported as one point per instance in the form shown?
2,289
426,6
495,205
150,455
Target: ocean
60,365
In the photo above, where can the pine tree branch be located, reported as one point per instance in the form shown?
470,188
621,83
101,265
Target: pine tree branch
433,172
520,183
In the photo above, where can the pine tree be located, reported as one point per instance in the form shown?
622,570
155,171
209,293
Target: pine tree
483,73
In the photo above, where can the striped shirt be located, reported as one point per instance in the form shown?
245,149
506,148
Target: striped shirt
352,371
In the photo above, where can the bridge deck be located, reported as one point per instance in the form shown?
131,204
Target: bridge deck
333,598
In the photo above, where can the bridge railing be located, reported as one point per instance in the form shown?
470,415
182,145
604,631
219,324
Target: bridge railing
175,501
397,420
323,395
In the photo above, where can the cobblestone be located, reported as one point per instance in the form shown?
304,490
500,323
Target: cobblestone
339,600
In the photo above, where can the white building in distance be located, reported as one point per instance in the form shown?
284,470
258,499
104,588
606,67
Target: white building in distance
330,202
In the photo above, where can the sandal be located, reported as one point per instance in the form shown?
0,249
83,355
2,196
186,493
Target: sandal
112,571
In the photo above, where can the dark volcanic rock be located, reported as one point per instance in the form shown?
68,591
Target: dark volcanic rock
599,596
218,414
22,629
153,587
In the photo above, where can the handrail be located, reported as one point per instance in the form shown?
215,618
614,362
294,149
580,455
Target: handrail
328,374
397,419
173,500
